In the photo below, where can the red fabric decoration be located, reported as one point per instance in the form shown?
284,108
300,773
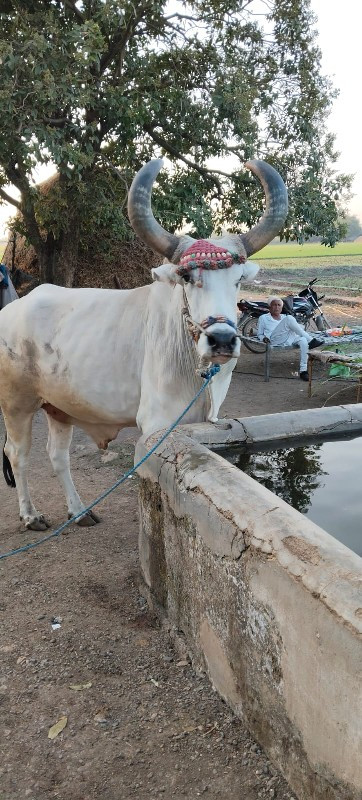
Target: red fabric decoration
204,255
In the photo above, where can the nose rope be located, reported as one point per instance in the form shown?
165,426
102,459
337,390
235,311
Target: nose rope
206,323
195,328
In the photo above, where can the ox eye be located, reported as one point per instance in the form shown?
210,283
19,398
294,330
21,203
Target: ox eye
187,278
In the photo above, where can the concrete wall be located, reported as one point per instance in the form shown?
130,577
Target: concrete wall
269,604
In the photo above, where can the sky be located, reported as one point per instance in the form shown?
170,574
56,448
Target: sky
339,29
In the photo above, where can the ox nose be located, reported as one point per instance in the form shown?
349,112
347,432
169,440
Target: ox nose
222,341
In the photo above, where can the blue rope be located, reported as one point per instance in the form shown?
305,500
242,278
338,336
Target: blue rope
208,375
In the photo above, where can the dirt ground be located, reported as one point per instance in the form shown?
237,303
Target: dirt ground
140,722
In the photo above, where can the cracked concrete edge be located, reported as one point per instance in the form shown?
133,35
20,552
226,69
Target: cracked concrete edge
232,512
223,432
268,427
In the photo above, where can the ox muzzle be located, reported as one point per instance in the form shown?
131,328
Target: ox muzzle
221,338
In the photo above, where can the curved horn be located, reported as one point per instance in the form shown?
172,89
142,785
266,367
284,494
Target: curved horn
140,211
275,211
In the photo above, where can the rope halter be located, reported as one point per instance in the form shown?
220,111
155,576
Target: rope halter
196,328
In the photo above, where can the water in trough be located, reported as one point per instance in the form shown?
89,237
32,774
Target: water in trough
321,479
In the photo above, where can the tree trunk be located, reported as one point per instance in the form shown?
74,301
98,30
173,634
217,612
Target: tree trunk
58,257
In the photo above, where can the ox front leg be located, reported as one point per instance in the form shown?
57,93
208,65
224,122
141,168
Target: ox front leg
17,448
59,439
219,388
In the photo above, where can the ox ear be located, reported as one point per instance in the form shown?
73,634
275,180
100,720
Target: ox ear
165,273
250,269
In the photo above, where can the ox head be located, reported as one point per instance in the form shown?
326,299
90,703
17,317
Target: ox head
210,271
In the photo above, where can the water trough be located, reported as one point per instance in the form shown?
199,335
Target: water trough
266,601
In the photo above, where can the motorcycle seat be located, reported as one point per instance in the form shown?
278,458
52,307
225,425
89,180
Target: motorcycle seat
287,304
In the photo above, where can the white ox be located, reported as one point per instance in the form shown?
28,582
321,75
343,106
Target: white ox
106,359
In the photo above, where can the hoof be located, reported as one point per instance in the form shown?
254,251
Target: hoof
37,524
88,520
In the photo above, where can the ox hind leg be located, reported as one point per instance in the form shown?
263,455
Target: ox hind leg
59,439
16,449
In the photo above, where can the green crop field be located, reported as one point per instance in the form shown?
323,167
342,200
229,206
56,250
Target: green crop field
337,268
303,251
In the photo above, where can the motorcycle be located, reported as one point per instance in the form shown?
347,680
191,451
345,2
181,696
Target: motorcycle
305,307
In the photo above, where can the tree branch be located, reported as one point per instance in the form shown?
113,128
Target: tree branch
177,30
118,173
16,174
71,6
206,173
119,41
56,123
183,16
5,196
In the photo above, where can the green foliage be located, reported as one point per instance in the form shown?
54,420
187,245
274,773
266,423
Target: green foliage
85,84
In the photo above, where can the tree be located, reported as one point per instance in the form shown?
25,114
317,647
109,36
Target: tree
354,227
100,86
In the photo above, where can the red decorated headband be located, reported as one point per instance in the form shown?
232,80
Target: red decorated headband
204,255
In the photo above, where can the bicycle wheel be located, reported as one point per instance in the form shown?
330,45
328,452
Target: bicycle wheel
250,328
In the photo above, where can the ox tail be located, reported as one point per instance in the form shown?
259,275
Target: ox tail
7,469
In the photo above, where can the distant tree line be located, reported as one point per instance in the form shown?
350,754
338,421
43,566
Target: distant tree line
352,226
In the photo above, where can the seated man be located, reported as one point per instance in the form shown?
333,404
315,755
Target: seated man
283,330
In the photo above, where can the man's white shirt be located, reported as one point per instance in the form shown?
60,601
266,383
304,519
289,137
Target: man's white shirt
267,325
